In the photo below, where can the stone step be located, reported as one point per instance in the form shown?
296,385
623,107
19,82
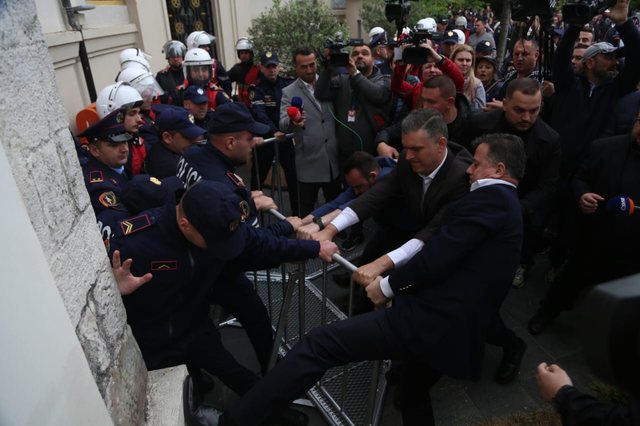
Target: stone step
164,397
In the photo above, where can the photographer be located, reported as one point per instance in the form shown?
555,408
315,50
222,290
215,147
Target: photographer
360,100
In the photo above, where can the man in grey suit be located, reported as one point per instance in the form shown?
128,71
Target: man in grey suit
316,146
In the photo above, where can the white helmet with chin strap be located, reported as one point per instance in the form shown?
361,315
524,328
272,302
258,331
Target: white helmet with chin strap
199,38
142,81
132,57
117,95
426,24
196,58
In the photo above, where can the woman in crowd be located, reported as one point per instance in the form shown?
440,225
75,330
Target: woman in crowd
464,57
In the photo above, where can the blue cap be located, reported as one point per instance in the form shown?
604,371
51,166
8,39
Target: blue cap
378,40
217,213
145,192
450,37
235,117
180,120
110,128
269,58
485,47
195,94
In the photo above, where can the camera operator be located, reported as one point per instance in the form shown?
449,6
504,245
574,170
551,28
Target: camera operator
360,100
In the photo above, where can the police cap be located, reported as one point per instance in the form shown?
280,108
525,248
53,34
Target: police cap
234,117
195,94
110,128
178,119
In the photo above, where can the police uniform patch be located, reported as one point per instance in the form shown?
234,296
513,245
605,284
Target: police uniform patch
155,180
237,180
192,119
108,199
96,176
200,91
244,207
450,33
164,265
268,54
135,224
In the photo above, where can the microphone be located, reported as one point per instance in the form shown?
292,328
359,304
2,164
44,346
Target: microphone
297,102
620,205
294,114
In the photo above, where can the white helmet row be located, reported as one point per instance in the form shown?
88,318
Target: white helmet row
133,57
426,24
244,44
117,95
199,38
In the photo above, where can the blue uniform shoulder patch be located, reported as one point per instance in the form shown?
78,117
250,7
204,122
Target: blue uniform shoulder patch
134,224
96,176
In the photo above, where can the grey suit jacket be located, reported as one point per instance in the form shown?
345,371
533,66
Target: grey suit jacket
316,145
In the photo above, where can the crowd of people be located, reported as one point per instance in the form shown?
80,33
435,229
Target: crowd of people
470,171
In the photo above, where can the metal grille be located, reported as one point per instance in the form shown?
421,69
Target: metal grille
343,394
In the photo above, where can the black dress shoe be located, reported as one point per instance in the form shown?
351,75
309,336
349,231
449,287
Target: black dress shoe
510,364
540,321
195,413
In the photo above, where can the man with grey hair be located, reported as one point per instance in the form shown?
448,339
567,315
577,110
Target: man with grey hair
445,298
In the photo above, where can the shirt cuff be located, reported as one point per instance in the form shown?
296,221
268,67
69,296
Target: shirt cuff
385,287
345,219
402,254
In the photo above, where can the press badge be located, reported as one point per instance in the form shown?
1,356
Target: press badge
351,116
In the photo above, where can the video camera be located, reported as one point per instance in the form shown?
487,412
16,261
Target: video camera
580,12
339,58
397,11
416,54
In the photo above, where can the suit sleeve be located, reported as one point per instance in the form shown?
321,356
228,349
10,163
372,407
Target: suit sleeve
578,408
324,90
547,180
375,92
285,121
372,200
562,71
629,77
474,219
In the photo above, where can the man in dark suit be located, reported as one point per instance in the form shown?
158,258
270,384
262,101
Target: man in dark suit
445,299
519,116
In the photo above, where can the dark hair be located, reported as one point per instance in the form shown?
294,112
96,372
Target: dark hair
522,41
444,83
524,85
364,162
506,149
580,46
429,120
303,51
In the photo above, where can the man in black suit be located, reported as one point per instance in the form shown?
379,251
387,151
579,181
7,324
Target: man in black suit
445,299
519,116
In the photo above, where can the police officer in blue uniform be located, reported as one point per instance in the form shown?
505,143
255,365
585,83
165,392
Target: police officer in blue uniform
174,255
230,145
196,101
265,96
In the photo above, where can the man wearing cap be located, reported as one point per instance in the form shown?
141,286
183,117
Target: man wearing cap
196,101
175,255
104,168
485,49
380,52
481,34
177,132
266,96
449,42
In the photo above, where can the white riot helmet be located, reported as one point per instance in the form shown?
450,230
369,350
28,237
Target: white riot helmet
375,31
426,24
461,21
194,60
461,37
174,49
134,58
199,38
142,81
117,95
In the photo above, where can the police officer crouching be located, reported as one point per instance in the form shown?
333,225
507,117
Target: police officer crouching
174,254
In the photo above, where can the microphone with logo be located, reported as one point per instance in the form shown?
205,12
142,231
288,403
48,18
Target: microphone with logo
620,205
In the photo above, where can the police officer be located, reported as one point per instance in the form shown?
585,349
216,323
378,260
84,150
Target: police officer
172,76
177,132
244,73
265,97
198,71
174,255
204,40
196,101
230,145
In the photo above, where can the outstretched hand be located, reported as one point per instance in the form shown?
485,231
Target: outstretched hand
619,12
127,282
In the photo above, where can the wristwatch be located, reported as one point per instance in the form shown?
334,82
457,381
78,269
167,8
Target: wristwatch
318,221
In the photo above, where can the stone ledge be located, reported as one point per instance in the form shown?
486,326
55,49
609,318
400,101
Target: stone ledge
164,397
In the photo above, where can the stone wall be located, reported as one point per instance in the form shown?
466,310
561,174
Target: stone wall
35,136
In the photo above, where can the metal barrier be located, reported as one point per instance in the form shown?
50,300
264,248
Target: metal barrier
297,304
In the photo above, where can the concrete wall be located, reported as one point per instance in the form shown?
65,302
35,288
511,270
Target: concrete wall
35,137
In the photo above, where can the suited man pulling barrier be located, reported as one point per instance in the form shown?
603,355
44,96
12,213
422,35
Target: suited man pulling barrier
444,299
